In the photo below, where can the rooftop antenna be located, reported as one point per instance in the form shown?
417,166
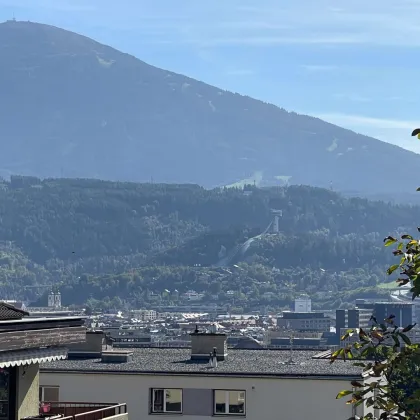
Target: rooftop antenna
14,18
290,361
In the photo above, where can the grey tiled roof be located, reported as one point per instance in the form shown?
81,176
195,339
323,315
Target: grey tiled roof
8,312
237,362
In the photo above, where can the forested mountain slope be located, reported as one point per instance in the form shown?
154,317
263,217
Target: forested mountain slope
109,239
70,218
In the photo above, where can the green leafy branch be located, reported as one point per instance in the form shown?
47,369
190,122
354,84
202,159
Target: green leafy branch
390,362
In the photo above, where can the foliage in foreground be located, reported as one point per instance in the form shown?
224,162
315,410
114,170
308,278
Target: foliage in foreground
389,360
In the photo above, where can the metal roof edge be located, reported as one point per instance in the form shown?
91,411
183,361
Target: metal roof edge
221,374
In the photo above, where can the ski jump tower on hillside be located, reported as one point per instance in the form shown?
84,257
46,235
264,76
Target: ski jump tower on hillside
276,214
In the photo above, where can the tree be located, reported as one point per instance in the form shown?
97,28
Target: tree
390,361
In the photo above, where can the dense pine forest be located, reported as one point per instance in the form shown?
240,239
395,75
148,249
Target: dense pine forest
109,243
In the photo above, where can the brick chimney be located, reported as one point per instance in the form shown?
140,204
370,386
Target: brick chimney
204,343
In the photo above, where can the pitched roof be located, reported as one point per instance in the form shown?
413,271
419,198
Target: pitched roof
8,312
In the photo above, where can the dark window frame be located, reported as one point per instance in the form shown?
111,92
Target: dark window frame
226,391
12,392
164,412
42,392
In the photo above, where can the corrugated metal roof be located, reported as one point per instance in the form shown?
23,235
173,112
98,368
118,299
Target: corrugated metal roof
31,356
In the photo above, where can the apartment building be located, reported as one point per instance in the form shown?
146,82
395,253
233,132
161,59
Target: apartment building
362,317
25,343
297,339
145,315
304,321
402,311
206,380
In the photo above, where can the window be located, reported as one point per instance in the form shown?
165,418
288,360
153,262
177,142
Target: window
49,393
4,393
166,400
229,402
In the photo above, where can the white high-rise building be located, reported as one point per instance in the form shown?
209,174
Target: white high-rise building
303,304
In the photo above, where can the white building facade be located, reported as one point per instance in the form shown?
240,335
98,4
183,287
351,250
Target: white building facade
204,396
205,380
303,304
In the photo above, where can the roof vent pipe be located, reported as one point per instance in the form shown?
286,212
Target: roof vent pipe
213,358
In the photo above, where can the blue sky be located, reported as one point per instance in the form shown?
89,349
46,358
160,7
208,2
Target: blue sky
354,63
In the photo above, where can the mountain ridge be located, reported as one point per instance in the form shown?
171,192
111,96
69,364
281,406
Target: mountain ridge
93,111
99,238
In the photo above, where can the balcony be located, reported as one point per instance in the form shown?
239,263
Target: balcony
80,411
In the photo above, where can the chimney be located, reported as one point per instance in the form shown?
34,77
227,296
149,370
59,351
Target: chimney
90,349
204,343
116,356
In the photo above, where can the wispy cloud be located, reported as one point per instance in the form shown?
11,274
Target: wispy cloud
204,40
278,40
240,72
253,25
271,22
352,97
315,68
376,22
389,130
57,5
205,55
363,121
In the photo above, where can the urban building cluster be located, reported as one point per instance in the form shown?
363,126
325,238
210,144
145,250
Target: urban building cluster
199,364
26,343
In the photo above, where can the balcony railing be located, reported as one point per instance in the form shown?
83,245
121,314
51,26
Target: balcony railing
81,410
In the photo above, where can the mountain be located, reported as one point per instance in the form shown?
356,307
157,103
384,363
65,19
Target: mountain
71,106
69,219
107,239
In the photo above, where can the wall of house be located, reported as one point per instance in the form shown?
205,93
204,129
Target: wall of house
266,398
27,395
370,410
123,416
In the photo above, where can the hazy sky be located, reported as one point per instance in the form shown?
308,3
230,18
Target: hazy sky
354,63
